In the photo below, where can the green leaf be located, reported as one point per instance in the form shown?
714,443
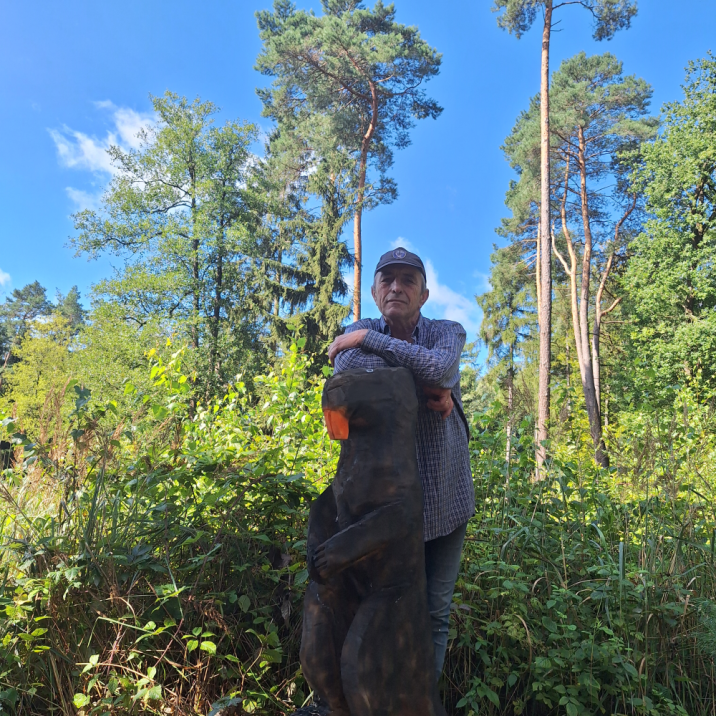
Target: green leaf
208,646
159,412
153,694
191,645
80,700
244,603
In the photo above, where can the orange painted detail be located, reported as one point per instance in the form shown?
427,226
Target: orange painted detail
337,424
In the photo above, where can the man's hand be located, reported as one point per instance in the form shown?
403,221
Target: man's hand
439,399
345,343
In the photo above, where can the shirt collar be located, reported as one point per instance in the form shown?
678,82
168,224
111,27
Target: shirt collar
385,328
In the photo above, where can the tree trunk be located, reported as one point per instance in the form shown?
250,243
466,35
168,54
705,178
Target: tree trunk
582,335
195,269
510,400
580,306
545,305
357,253
358,217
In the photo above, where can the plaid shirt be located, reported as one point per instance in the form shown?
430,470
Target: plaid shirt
443,455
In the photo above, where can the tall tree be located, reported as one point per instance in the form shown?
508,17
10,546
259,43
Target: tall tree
517,16
597,115
70,308
348,81
670,278
298,253
507,320
178,213
17,313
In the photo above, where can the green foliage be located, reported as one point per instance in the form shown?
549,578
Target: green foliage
35,387
160,563
670,280
177,212
298,250
575,598
349,74
610,16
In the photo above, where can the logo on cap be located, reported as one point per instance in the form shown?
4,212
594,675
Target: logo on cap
399,253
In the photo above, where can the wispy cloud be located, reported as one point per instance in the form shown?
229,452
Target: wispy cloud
455,306
78,150
84,199
5,278
483,281
400,241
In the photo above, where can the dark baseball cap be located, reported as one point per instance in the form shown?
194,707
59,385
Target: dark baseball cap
401,256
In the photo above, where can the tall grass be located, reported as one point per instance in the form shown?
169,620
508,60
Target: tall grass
155,564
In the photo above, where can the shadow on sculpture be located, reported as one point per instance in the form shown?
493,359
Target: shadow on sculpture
367,648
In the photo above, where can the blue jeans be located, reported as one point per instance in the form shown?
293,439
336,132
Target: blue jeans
442,563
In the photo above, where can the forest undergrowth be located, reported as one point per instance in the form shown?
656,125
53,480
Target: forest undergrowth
156,564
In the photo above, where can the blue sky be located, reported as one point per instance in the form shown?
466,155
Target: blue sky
75,76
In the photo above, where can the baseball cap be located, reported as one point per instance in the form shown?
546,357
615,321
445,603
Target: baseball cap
401,256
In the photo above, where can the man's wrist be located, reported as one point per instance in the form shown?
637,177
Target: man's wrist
375,342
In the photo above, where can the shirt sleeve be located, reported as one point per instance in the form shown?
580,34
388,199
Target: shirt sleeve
439,365
357,357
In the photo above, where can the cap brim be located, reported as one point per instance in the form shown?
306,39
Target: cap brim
399,262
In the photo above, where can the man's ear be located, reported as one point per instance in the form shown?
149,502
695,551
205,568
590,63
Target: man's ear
372,292
424,297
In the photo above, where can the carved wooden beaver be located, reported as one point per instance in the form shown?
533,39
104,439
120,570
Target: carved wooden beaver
367,648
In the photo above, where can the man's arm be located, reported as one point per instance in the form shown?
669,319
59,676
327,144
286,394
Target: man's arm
436,366
355,357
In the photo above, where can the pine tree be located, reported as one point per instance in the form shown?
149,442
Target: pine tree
517,16
348,82
508,319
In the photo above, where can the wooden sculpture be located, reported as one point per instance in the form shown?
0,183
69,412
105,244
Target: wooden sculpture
367,648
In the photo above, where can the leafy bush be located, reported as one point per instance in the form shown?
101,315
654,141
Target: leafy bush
155,564
167,567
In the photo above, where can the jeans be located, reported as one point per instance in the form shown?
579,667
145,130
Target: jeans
442,563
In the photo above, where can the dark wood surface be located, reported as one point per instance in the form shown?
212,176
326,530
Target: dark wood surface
367,646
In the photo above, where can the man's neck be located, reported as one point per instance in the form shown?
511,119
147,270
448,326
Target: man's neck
402,330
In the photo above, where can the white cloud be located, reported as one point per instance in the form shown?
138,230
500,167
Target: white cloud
4,278
400,241
84,199
78,150
455,306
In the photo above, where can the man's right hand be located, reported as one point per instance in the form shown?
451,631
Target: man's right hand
346,342
439,399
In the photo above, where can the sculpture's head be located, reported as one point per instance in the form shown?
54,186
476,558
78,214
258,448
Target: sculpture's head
364,399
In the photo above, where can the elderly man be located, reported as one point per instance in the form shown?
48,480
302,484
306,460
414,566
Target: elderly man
431,350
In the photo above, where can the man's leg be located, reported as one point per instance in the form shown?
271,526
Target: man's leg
442,563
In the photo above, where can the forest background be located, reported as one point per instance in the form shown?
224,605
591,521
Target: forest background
162,433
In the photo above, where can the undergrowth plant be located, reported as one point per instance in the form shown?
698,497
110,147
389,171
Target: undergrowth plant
153,561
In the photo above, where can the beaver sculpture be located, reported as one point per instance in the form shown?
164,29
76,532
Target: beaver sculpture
366,647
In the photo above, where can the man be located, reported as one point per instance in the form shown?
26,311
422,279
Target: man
431,349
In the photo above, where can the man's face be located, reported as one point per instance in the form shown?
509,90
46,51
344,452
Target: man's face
399,292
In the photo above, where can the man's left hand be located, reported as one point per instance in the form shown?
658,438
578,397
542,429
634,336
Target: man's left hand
354,339
439,399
